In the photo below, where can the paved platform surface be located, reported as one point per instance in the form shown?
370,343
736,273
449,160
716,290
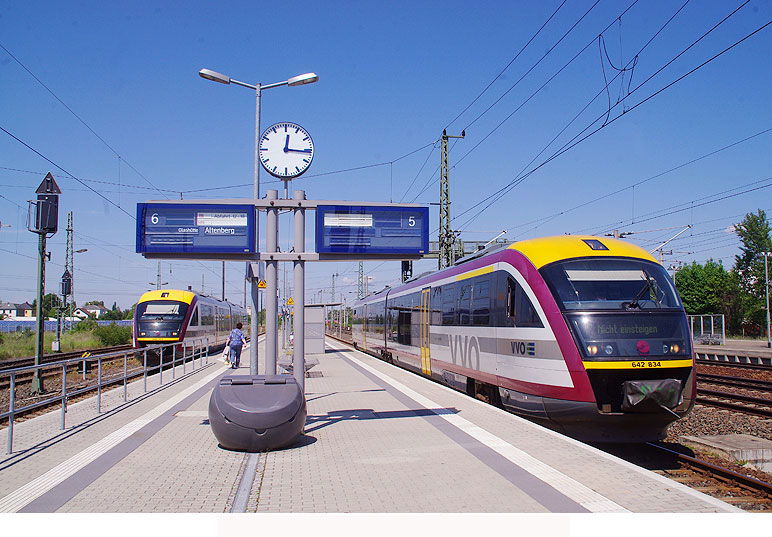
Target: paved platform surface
378,439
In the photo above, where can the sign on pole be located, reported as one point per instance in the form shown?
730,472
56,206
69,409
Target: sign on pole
198,231
372,229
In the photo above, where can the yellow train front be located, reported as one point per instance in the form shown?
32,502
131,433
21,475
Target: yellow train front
171,315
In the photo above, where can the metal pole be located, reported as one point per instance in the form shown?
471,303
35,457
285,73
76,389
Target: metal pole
723,329
11,409
299,285
766,280
271,284
125,375
144,373
99,385
161,368
64,394
254,291
254,330
37,378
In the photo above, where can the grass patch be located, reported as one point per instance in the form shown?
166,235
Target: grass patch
22,344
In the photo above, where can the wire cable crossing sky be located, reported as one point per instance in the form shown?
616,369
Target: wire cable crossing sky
580,116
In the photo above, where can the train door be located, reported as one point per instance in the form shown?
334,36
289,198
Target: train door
423,332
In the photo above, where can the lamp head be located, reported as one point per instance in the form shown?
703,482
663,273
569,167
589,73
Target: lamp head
214,76
308,78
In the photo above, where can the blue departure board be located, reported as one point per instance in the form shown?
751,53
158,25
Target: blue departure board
168,228
362,229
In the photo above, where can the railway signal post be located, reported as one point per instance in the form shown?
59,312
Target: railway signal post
46,222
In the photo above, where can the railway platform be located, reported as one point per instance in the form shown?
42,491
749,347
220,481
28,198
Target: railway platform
378,439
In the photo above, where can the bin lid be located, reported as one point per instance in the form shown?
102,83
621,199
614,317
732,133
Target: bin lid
258,401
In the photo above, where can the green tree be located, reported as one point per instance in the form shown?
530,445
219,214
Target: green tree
754,232
703,287
129,313
51,302
115,314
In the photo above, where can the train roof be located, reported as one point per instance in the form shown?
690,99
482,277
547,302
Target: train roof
168,294
541,251
546,250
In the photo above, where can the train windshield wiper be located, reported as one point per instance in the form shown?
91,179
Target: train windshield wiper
650,287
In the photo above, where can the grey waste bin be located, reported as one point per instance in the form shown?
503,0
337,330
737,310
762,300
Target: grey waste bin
257,413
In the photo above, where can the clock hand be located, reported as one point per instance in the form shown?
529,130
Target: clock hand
286,149
286,144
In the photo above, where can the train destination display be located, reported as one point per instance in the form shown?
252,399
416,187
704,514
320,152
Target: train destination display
167,228
362,229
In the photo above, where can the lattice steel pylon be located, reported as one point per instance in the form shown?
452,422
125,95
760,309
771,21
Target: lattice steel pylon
445,238
69,264
361,281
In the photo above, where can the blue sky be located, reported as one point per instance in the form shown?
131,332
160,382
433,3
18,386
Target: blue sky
128,115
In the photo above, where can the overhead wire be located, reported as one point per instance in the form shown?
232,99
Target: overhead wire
518,176
576,140
77,116
516,56
638,183
41,155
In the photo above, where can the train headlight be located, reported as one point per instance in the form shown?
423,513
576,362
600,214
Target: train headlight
608,349
665,349
674,348
592,350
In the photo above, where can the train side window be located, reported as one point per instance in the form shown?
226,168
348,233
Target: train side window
436,306
464,303
481,303
525,314
194,318
519,307
448,304
207,315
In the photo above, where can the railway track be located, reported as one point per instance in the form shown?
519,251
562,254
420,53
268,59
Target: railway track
738,365
12,363
745,492
758,403
55,372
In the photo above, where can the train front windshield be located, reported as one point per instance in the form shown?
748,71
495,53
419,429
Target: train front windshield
160,318
620,308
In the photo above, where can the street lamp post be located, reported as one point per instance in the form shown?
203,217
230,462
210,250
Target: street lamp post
271,329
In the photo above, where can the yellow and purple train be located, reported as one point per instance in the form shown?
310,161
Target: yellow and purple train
171,315
586,335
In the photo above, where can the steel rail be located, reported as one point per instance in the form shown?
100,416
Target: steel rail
13,363
738,382
747,481
740,365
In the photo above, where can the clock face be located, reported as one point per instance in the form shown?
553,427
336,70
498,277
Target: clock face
286,150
